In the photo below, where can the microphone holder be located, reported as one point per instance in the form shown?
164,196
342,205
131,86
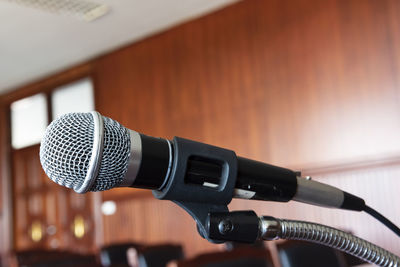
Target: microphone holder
196,198
244,226
208,205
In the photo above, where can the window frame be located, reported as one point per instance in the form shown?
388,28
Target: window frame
45,86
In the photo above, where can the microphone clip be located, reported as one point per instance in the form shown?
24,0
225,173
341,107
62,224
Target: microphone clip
202,181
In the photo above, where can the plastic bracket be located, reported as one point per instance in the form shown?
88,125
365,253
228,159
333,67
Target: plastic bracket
199,200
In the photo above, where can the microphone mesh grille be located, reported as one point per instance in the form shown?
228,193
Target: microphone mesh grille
116,152
66,150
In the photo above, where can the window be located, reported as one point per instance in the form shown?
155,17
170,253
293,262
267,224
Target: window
29,116
73,97
28,120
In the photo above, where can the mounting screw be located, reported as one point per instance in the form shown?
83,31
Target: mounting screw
225,226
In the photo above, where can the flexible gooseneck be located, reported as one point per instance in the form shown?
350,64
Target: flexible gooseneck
246,226
271,228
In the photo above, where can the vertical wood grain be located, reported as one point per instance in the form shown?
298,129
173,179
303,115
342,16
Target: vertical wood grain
294,83
377,185
3,143
301,83
38,199
280,78
5,183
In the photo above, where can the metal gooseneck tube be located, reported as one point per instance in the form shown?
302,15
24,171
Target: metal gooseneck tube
246,226
271,228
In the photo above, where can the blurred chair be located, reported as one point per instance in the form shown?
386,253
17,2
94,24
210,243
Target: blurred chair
48,258
260,244
306,254
238,257
155,255
116,254
353,260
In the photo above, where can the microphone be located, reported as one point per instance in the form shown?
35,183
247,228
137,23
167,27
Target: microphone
90,152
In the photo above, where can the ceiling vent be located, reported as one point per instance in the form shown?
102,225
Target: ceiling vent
81,9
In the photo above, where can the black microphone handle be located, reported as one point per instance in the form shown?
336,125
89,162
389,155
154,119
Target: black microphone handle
254,179
267,182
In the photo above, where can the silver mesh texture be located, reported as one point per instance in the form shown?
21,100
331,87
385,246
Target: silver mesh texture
67,145
116,151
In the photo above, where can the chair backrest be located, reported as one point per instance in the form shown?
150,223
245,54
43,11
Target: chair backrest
159,255
115,254
306,254
260,244
243,256
47,258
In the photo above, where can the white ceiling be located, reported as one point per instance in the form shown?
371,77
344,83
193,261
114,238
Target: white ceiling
35,44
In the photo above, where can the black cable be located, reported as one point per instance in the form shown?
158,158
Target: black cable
382,219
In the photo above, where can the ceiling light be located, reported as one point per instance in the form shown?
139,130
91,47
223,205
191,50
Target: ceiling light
80,9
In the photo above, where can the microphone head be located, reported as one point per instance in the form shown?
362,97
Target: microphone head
85,152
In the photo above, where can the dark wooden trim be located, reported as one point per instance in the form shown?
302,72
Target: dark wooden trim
49,107
5,175
98,219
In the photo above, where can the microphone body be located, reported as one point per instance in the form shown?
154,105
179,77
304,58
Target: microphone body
255,180
122,157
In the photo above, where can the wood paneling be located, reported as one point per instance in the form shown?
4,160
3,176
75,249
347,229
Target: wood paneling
378,185
36,200
3,143
5,182
304,84
295,83
53,210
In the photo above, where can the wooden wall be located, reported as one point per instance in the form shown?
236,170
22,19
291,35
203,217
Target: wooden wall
2,153
5,183
30,198
46,214
303,84
2,179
